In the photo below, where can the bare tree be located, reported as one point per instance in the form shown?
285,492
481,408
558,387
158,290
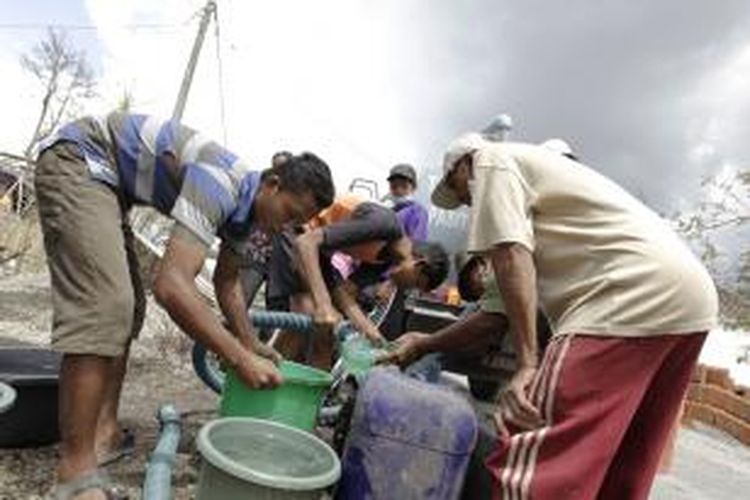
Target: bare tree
724,208
126,101
67,79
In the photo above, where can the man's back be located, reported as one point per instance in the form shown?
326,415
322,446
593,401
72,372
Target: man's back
169,166
606,263
358,228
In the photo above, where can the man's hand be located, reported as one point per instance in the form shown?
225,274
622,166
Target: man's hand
374,336
257,372
513,405
326,319
254,344
409,348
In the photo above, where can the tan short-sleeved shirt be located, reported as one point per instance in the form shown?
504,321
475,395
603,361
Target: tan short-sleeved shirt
606,264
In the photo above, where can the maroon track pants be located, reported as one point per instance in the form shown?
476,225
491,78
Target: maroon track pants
609,404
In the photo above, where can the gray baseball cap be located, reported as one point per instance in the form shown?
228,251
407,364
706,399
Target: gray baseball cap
404,170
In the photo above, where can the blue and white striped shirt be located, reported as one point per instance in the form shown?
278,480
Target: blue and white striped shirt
206,187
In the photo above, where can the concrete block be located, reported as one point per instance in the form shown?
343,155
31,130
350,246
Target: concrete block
698,411
719,377
695,393
699,374
732,425
727,401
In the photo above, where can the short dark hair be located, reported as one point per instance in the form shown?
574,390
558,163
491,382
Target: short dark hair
435,264
464,279
305,173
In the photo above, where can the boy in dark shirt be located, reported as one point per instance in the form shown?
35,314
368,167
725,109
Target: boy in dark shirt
369,234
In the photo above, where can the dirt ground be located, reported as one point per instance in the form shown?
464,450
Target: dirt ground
159,372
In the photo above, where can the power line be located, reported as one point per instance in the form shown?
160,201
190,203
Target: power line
221,77
92,27
85,27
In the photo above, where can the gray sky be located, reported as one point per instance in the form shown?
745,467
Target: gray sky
652,93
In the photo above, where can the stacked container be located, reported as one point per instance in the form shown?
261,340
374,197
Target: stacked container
408,440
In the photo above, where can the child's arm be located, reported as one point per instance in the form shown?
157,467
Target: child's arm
368,223
354,313
308,248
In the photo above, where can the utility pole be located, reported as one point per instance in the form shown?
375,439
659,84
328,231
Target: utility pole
208,11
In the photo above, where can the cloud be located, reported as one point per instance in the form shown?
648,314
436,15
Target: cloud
635,86
20,101
651,93
316,80
720,102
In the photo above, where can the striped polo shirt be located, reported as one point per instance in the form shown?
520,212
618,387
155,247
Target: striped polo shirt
208,188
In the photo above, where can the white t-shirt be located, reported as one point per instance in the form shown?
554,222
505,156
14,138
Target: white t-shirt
606,264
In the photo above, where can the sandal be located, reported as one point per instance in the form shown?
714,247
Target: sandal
126,448
96,480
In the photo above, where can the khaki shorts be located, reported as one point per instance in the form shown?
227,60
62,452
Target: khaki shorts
97,297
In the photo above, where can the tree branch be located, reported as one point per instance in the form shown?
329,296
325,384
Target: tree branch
53,61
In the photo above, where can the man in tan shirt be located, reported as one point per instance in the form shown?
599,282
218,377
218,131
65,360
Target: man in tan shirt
629,304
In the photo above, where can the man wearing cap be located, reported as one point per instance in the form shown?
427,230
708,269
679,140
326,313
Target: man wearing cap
414,220
629,304
413,217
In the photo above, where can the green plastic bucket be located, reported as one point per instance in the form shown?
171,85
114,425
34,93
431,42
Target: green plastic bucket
296,402
247,458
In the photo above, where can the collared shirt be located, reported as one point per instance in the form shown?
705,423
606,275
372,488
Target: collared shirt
606,264
206,188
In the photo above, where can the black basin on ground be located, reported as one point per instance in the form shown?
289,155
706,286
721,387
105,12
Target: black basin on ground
33,373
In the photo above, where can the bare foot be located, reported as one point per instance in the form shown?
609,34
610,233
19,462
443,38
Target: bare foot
113,445
108,439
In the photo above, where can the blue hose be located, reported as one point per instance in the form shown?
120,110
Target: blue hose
209,372
295,322
158,482
213,376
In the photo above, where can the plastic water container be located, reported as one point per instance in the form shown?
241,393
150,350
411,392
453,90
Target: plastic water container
248,458
478,482
296,402
409,440
359,355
